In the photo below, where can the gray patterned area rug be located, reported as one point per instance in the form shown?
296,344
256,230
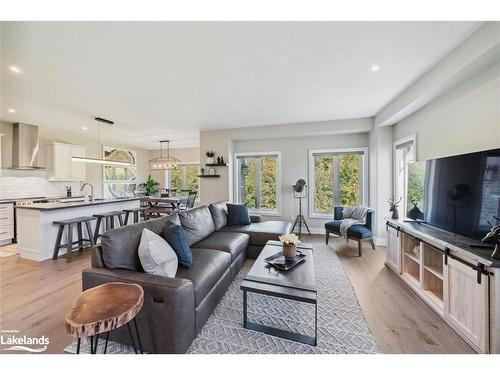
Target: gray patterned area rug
342,327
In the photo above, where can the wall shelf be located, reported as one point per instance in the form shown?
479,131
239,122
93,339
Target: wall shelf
209,175
216,165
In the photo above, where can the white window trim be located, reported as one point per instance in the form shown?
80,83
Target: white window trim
364,176
410,138
167,177
236,176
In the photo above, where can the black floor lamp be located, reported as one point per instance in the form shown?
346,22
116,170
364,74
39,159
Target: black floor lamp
300,192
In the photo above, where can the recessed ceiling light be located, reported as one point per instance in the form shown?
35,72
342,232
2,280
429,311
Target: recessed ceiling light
85,128
15,69
375,68
11,110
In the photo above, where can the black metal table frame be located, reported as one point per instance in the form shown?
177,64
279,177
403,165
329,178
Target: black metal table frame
294,336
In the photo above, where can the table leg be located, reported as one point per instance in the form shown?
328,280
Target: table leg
131,337
106,345
245,318
138,337
78,345
316,323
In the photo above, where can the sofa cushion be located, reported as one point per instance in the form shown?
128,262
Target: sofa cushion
219,214
261,232
156,255
232,243
177,238
208,267
357,231
120,245
237,214
197,222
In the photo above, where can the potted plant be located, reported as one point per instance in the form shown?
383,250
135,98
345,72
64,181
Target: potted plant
210,157
151,186
289,242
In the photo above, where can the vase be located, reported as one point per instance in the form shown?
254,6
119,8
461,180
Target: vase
289,250
395,214
210,160
496,252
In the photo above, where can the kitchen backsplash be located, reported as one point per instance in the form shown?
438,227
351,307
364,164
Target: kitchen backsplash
25,184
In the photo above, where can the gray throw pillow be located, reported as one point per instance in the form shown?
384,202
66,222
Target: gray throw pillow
156,255
219,214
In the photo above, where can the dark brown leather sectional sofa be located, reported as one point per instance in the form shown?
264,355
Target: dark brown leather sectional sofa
175,309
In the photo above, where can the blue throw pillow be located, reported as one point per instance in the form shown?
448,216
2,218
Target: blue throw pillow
177,239
237,214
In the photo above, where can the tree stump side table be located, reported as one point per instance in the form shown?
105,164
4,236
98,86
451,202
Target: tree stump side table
103,309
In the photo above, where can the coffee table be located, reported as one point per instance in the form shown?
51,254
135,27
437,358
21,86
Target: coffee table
298,284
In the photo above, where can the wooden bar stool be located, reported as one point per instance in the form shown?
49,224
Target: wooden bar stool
79,221
103,309
136,211
109,222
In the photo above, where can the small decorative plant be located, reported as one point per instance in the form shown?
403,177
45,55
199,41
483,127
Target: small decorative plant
289,242
151,186
210,157
393,207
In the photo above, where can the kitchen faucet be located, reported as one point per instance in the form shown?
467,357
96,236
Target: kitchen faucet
91,190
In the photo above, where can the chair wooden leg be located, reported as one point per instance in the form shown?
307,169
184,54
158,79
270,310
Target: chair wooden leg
80,236
69,246
372,243
327,237
136,217
58,242
97,230
127,214
360,247
89,232
120,219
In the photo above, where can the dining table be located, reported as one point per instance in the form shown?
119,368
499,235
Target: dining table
159,205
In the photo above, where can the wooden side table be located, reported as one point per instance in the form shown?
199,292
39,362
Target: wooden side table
103,309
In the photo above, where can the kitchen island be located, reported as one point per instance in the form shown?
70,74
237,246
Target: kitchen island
36,235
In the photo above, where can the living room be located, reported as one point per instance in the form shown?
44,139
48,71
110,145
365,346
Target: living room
249,187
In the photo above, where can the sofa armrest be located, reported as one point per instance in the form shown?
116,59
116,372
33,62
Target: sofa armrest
256,218
168,313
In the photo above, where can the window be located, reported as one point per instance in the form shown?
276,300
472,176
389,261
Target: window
257,181
408,175
184,177
336,178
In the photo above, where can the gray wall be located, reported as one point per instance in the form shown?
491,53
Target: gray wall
294,164
466,119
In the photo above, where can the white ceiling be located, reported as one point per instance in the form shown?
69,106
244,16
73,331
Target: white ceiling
160,80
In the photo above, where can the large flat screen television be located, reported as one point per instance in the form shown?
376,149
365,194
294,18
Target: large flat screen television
461,193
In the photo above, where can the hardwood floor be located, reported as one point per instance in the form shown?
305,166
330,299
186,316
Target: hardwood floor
35,297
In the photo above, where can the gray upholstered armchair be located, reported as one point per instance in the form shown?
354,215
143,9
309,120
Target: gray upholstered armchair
357,232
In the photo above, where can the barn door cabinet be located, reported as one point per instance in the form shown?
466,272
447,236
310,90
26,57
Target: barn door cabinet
60,163
463,291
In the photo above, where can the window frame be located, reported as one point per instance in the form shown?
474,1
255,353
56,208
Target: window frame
402,205
237,175
311,187
183,177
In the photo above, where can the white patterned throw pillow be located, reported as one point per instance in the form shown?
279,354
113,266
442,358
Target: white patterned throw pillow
156,255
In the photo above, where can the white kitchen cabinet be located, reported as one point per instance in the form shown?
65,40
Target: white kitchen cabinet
466,303
62,168
393,255
6,223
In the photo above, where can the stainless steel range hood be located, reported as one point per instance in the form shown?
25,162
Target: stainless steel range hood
25,146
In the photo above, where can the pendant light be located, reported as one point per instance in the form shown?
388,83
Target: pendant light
164,163
82,159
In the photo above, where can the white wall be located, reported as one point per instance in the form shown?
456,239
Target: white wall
294,164
466,119
221,142
19,184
